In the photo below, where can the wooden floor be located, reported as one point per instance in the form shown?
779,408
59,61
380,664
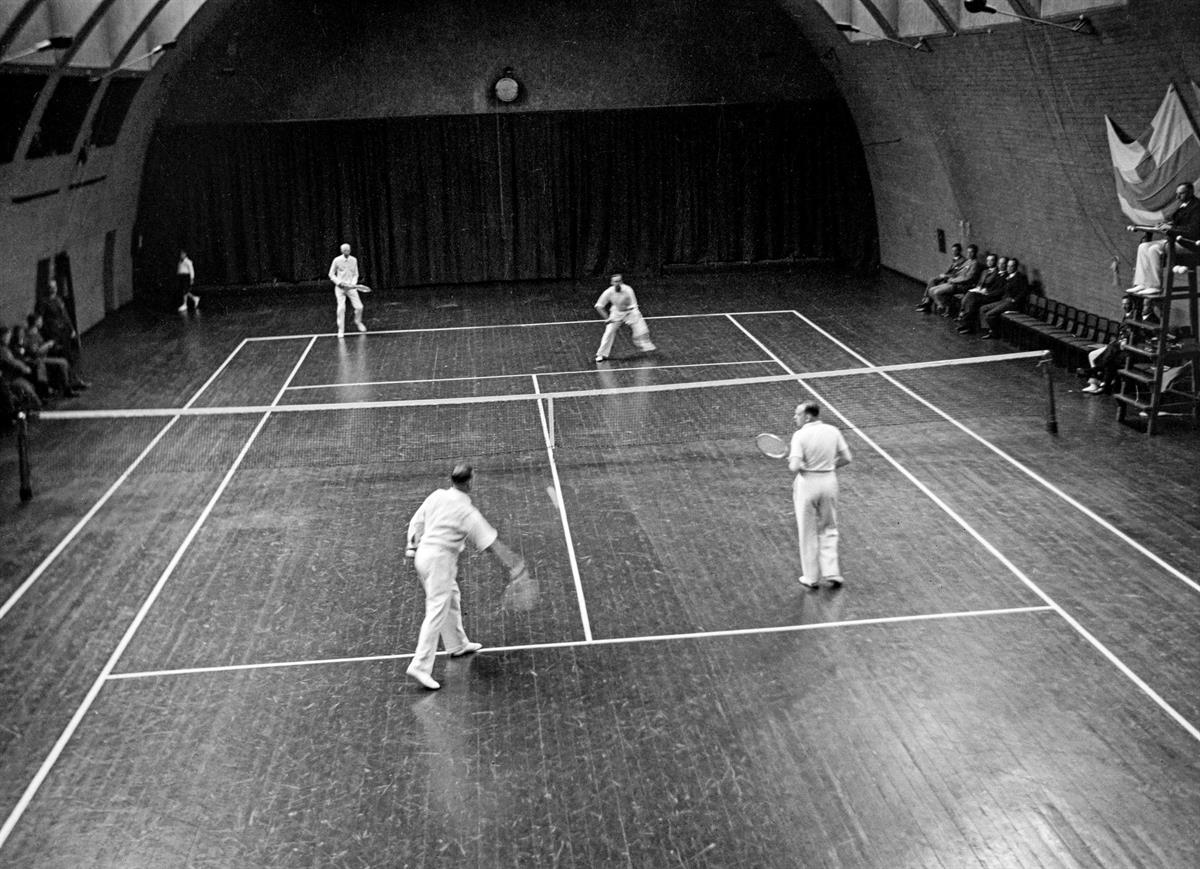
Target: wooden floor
204,622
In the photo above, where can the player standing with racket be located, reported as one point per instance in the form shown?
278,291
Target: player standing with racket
437,533
618,305
343,271
818,450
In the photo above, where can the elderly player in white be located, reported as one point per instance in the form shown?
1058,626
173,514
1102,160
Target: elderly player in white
818,449
343,271
437,533
617,304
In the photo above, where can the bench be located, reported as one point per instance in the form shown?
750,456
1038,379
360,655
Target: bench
1067,332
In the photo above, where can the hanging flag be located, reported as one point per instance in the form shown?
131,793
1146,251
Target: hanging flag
1149,168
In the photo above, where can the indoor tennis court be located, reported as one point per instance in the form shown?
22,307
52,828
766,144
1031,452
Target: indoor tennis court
218,603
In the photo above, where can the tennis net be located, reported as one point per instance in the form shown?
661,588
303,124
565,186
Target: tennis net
589,423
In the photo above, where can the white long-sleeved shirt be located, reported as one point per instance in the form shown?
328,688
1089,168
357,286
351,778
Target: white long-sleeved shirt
343,271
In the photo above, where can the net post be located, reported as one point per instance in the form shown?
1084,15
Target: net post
1047,365
23,457
550,420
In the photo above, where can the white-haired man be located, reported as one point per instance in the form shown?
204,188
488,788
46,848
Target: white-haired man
343,271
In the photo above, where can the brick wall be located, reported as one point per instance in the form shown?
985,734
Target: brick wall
998,137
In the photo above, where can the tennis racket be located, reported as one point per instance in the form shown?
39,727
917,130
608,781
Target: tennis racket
771,445
362,288
522,592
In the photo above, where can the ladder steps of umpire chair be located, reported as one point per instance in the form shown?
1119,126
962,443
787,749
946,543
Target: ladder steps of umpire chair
1140,382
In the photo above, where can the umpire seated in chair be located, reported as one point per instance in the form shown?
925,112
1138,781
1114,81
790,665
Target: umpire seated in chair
1185,223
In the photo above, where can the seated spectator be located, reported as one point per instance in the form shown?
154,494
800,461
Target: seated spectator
16,376
53,373
989,289
964,277
1015,292
956,260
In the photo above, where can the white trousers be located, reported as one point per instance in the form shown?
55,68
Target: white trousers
355,302
438,571
815,496
633,319
1150,254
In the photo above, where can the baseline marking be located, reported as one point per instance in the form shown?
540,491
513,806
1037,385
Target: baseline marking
591,322
65,737
1029,472
605,641
562,512
112,490
1016,571
537,374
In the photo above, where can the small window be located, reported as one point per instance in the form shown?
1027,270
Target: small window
114,106
63,116
18,95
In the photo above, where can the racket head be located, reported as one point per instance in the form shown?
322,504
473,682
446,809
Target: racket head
772,446
362,288
521,595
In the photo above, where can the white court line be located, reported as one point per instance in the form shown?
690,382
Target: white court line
112,490
527,374
1029,472
562,512
593,321
65,737
996,553
604,641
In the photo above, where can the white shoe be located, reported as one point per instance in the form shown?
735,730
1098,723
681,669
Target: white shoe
467,649
1134,290
808,583
182,308
601,358
648,347
360,327
424,678
196,302
1093,388
1149,292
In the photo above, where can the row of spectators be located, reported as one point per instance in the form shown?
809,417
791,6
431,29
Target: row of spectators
978,293
39,359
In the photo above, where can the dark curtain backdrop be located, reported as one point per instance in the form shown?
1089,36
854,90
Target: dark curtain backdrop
466,198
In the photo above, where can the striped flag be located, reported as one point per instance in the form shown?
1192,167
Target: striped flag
1149,168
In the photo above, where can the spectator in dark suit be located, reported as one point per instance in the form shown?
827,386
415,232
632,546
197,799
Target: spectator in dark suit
989,289
1016,291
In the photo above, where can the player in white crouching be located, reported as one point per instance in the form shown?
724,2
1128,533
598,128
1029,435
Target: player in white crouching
618,305
437,533
343,271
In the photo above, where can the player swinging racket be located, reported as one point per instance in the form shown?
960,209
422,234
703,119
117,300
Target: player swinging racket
617,304
343,271
437,533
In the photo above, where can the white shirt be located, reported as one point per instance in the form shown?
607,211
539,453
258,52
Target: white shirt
446,520
818,446
622,302
185,267
343,271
